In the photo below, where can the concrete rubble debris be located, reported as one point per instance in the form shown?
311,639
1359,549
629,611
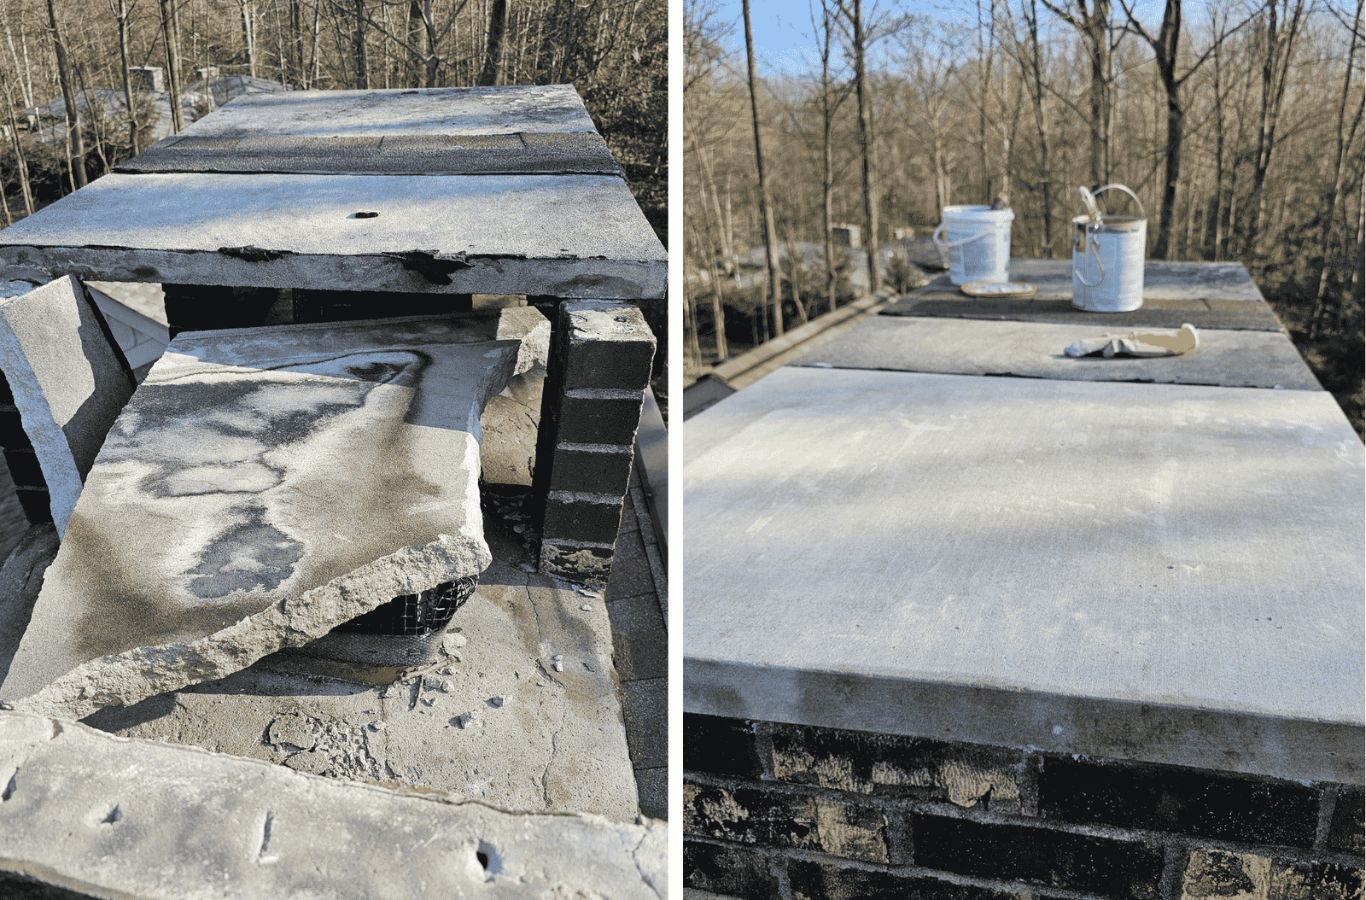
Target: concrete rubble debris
92,813
276,478
68,381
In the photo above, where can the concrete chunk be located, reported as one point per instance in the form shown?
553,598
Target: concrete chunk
116,817
68,380
262,487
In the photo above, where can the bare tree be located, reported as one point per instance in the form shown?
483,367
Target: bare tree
170,37
75,140
1166,46
1092,24
1281,21
867,146
493,54
1344,135
122,9
773,286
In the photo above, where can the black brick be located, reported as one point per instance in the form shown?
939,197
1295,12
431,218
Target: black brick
591,471
598,420
720,746
738,871
24,468
892,765
37,505
582,521
1346,832
822,881
609,364
1038,856
1315,881
12,434
1184,801
755,815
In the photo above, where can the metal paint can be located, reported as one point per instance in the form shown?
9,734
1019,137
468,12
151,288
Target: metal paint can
977,242
1108,255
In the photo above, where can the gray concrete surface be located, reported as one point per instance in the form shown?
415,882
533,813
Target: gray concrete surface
1208,295
560,235
97,814
435,131
69,382
1035,350
262,487
1163,573
536,109
636,603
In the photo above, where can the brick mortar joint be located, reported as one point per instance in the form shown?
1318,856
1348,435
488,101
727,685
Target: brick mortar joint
947,809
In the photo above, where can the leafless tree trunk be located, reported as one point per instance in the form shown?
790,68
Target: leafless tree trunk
358,45
1166,45
1093,25
493,52
248,11
1344,136
828,108
170,38
867,147
122,10
773,286
74,139
1278,50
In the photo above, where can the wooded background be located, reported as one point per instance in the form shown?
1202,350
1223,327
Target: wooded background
613,51
1238,123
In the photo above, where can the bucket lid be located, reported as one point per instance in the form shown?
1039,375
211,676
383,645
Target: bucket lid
978,212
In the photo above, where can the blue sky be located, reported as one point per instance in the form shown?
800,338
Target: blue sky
784,40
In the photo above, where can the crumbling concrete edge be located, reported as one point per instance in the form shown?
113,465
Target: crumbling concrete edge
124,678
119,817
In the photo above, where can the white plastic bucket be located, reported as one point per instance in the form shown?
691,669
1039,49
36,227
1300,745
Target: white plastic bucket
1108,257
977,240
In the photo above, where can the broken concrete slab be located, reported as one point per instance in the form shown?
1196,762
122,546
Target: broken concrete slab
1162,573
554,742
557,235
511,419
263,486
1035,350
68,382
88,812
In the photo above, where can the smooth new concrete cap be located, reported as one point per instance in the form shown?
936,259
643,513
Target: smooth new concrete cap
263,486
1034,350
69,383
1208,295
1154,572
560,235
112,817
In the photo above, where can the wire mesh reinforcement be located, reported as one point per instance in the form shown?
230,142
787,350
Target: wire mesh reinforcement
416,614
